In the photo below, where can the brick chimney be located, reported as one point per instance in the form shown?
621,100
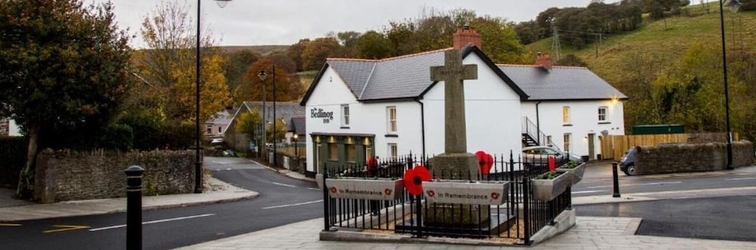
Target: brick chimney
464,35
543,60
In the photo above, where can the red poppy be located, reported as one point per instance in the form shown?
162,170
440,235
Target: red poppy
371,164
490,162
484,162
413,179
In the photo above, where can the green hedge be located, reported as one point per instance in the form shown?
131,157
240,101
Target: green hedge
13,153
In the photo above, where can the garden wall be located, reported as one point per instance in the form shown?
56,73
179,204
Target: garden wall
683,158
67,175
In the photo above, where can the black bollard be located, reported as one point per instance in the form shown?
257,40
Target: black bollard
134,207
616,180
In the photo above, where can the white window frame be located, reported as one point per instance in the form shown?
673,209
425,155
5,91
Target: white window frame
393,151
602,117
391,124
345,115
567,141
566,114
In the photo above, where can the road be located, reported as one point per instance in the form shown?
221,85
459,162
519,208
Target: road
282,201
713,205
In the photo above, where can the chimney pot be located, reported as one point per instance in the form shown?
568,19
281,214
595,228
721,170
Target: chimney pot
543,60
466,35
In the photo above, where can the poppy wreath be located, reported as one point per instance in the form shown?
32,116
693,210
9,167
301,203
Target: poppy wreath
413,179
485,161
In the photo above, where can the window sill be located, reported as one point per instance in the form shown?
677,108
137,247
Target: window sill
392,135
343,127
567,125
603,123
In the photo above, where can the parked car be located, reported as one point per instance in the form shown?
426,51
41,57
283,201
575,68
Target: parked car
627,163
539,156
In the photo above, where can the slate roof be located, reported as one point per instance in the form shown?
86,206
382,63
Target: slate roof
285,110
560,83
397,77
298,125
408,77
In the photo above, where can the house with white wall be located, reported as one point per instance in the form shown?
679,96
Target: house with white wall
9,127
357,109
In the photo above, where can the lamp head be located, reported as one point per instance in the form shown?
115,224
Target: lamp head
733,5
222,3
262,75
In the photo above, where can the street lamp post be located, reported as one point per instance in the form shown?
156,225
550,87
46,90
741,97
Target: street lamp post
733,5
197,157
296,144
262,74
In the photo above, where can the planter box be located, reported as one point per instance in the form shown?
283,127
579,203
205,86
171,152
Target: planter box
576,173
546,190
466,192
365,189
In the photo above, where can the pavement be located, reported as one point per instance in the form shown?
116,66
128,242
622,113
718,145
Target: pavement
588,233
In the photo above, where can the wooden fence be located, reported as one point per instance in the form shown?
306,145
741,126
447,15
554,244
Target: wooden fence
614,146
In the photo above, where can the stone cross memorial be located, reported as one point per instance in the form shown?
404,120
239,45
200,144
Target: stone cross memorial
456,163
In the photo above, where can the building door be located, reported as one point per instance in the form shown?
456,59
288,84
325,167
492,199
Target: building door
591,146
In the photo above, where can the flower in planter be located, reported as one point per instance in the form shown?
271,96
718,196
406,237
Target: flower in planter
570,164
549,175
413,179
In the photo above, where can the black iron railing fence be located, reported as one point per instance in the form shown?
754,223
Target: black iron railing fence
518,217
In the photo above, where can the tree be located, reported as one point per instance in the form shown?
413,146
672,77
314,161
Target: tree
317,51
280,131
63,70
373,45
348,38
171,54
236,65
499,41
248,123
214,94
288,87
295,52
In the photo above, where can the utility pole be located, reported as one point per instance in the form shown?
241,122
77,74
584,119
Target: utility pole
555,46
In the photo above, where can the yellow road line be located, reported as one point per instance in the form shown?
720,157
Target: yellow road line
9,225
63,228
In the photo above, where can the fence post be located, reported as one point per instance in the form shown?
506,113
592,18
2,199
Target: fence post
134,207
326,219
526,208
512,191
615,180
419,205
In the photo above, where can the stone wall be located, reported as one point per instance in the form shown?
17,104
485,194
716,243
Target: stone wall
66,175
684,158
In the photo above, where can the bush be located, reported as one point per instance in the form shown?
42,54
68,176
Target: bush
117,136
176,135
13,153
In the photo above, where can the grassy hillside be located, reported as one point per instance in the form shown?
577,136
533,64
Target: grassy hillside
657,38
262,49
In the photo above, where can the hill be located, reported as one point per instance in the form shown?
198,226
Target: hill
659,38
262,49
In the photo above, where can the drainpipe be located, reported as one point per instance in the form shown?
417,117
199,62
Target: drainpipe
538,123
422,124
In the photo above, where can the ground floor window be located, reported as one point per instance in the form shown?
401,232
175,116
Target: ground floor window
336,149
393,150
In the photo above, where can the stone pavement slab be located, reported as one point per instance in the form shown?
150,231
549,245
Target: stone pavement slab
216,191
589,233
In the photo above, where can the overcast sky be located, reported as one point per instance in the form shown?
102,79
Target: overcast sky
284,22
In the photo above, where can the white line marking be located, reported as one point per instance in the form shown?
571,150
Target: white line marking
228,169
741,179
292,205
641,184
316,189
153,222
585,192
285,185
